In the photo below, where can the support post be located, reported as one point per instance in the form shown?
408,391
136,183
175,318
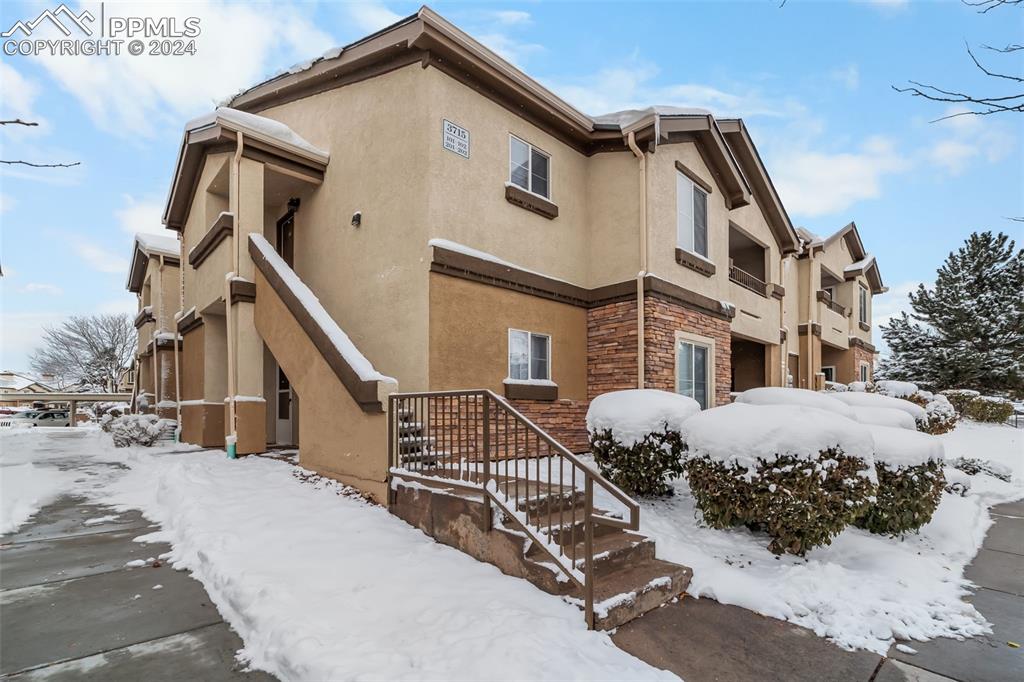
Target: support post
588,549
488,513
73,413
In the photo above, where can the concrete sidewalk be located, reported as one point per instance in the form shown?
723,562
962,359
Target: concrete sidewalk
71,610
701,640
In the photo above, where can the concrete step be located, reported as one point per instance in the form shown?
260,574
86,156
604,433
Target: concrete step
424,457
630,592
612,552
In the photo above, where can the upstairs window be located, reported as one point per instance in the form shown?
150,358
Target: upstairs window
529,356
529,168
691,216
863,304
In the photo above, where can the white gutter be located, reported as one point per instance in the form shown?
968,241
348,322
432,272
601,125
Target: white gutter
642,165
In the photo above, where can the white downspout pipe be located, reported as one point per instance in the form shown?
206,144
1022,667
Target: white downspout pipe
642,165
177,347
232,439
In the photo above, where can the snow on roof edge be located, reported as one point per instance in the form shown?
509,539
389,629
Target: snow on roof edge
259,126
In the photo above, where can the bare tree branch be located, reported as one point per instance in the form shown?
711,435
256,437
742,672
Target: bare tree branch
18,121
1014,219
1018,79
41,165
987,5
92,350
1013,47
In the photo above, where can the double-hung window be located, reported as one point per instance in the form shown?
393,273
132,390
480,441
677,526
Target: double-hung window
529,356
692,371
691,216
864,373
529,168
863,304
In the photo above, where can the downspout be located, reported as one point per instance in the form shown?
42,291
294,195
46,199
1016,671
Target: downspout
177,348
640,351
159,328
231,441
811,304
784,348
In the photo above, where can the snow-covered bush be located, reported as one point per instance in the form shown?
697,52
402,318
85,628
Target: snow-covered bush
989,409
917,412
957,482
859,386
895,389
910,481
635,438
797,473
973,466
940,415
884,416
835,387
795,396
107,412
960,398
137,429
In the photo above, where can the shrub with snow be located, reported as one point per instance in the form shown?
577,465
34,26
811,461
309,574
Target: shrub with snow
635,438
859,386
895,389
973,466
940,415
910,481
797,473
960,398
137,429
884,416
989,409
795,396
957,482
835,387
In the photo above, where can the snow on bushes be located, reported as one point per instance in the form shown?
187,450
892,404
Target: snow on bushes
635,438
799,474
896,389
910,481
989,409
853,399
973,466
940,415
795,396
137,429
884,416
960,398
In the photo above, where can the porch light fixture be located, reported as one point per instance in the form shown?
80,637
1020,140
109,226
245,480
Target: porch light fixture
357,219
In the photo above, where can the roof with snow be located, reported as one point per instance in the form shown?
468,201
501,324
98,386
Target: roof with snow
864,263
146,246
20,382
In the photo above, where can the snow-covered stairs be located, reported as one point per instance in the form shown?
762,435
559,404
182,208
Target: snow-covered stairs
629,579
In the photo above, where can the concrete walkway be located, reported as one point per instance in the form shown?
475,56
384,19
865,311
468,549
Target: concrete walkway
71,610
701,640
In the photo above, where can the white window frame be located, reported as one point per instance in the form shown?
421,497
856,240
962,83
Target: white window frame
865,372
694,188
862,303
709,345
529,355
529,168
831,368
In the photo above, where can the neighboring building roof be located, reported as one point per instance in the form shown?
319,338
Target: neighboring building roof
864,263
145,246
18,381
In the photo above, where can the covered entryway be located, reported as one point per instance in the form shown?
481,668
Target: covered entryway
749,364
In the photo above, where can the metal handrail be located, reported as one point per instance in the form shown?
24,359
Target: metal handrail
748,281
440,427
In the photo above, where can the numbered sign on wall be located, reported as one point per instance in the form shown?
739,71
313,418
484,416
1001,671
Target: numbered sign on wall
455,138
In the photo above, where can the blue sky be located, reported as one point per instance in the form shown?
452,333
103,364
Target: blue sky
812,80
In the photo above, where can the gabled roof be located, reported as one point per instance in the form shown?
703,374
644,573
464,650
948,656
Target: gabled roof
265,139
145,246
864,263
17,381
761,184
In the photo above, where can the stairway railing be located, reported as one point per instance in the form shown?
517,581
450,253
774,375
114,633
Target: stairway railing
476,440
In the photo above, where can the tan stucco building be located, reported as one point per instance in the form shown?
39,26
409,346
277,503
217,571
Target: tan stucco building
154,277
416,214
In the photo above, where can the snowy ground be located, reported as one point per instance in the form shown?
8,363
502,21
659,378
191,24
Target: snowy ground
862,591
319,584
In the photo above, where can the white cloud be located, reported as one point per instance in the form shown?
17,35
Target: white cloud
511,17
888,5
848,76
886,306
963,140
371,16
814,183
509,48
19,94
142,215
123,304
239,44
22,333
100,259
7,202
41,288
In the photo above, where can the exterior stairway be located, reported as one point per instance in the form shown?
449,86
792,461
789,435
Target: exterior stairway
532,526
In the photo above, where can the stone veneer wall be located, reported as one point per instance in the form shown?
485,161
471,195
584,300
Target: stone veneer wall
662,319
611,348
863,355
565,420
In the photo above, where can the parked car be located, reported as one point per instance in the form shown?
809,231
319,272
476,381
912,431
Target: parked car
52,418
19,419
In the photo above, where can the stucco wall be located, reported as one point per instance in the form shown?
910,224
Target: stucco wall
204,286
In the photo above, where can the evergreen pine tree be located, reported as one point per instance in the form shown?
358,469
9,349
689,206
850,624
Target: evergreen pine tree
968,330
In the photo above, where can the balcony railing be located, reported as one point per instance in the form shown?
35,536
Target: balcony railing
825,298
748,281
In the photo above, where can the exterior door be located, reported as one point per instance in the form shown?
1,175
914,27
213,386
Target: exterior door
284,409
